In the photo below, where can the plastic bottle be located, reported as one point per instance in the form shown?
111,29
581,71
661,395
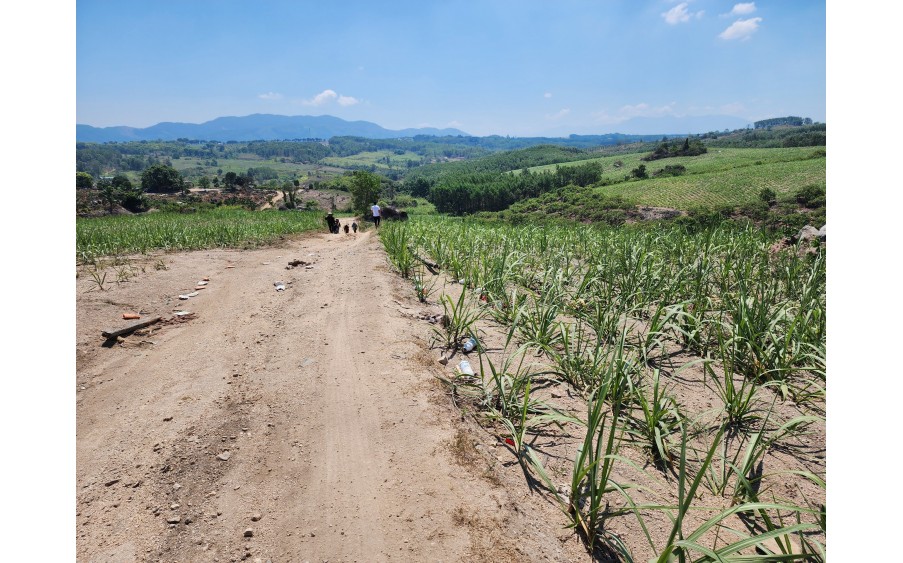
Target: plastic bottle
465,369
470,344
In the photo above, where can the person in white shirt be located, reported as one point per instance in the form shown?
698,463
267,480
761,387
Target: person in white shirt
376,214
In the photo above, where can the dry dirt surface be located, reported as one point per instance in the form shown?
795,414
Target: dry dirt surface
303,424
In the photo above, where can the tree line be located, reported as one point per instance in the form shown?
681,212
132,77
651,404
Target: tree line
486,191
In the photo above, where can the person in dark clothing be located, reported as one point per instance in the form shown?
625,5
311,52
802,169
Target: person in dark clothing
332,223
354,227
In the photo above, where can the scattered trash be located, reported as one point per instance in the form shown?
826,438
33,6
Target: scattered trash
202,282
470,344
279,286
184,297
265,263
182,313
294,263
193,294
199,287
227,267
510,442
131,316
464,368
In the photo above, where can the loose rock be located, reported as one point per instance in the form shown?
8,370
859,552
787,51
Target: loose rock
224,456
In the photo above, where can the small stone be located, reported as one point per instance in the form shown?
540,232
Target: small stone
167,419
224,456
111,483
174,519
256,517
176,487
249,533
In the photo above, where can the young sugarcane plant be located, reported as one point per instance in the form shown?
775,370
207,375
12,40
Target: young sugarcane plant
678,548
460,317
739,399
658,418
424,286
652,345
538,324
593,464
580,361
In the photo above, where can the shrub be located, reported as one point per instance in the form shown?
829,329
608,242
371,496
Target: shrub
670,170
134,201
811,196
768,195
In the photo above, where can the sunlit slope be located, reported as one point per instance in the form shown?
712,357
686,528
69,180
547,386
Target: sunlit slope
720,177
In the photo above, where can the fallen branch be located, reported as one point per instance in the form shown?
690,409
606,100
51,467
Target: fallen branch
431,266
129,329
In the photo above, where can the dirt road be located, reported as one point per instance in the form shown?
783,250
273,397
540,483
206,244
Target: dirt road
297,425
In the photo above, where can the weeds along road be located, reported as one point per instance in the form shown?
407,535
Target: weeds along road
296,425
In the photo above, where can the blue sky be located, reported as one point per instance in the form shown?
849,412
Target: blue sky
488,67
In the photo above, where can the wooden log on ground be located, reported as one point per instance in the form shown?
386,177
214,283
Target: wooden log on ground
131,328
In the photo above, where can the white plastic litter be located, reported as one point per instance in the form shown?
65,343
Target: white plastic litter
465,369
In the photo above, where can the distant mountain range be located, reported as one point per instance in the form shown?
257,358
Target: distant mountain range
257,127
267,127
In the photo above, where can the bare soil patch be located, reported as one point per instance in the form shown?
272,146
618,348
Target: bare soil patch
302,424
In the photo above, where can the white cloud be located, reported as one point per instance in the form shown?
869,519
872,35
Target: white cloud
323,97
680,14
741,29
270,96
547,95
743,9
563,112
327,96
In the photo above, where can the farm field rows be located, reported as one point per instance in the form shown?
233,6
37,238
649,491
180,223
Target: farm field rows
666,390
722,176
374,158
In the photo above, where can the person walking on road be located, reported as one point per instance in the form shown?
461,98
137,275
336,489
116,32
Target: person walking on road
375,209
332,223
